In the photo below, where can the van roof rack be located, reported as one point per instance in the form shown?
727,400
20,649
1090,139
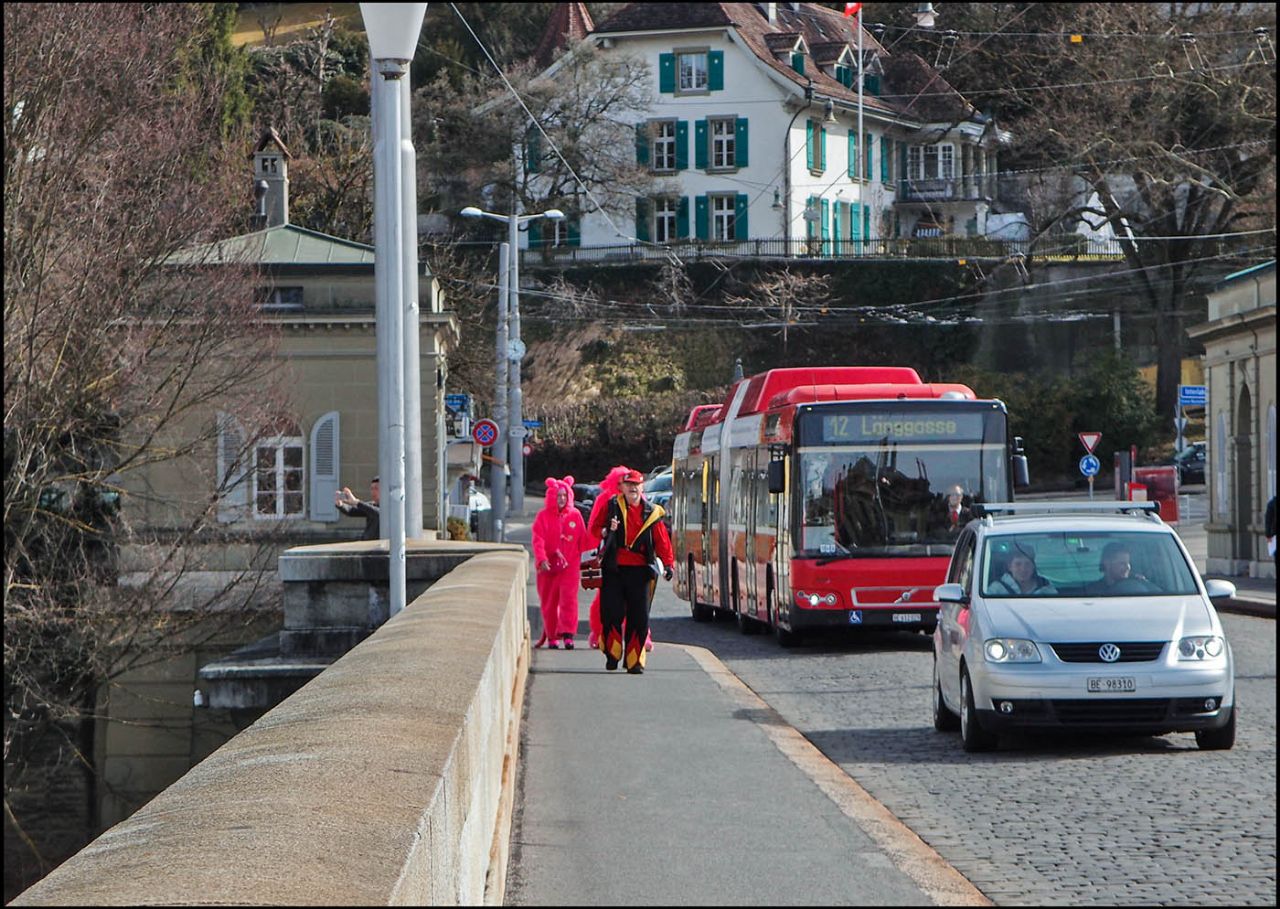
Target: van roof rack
989,509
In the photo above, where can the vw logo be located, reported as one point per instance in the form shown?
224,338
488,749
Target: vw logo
1109,653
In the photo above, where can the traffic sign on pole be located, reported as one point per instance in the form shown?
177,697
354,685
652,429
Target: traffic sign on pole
1193,395
1090,465
485,432
1090,441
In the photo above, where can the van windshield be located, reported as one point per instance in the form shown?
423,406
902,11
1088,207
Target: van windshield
1092,564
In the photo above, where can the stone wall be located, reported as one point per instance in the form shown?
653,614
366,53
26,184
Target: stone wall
386,780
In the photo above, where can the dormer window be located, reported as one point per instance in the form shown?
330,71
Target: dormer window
844,75
797,61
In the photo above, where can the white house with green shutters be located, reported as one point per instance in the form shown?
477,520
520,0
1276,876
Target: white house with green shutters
755,126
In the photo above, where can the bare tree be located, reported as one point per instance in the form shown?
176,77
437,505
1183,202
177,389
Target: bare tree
577,137
120,342
781,296
1157,119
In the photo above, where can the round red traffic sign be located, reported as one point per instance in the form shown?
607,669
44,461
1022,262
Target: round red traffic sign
485,432
527,449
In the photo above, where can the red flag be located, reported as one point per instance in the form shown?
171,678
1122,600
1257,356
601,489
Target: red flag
851,8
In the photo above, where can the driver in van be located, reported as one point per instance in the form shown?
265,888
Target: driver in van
1118,578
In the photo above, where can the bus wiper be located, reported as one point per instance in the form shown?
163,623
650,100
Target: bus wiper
846,554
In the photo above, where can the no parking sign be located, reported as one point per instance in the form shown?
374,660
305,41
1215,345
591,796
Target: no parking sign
485,432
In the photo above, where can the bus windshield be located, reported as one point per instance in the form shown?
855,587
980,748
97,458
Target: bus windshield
863,503
883,496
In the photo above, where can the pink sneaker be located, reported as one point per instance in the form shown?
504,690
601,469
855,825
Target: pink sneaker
553,645
593,641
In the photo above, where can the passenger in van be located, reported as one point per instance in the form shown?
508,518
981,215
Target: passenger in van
1022,578
1117,574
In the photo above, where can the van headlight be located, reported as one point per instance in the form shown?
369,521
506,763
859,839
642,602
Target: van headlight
1011,650
1201,647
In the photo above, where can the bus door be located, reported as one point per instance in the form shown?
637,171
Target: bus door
710,571
752,588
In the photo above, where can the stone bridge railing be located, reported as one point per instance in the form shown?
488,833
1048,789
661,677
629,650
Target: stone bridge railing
388,779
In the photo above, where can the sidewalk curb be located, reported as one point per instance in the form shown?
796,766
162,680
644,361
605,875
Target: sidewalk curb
940,881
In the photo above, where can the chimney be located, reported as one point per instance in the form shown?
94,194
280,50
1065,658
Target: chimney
271,166
771,12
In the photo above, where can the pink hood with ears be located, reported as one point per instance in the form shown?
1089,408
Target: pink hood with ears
611,485
554,486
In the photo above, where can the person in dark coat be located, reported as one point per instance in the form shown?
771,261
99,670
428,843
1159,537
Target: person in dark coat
349,505
636,549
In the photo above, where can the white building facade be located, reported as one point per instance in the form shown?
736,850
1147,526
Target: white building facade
755,129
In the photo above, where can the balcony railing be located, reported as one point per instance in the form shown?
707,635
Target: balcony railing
1065,249
943,189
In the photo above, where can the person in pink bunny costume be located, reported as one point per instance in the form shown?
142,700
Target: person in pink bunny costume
610,486
559,539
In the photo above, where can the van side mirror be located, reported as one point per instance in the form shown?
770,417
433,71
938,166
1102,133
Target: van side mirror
777,477
950,593
1219,589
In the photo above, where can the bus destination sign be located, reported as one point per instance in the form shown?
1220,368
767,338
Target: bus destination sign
887,426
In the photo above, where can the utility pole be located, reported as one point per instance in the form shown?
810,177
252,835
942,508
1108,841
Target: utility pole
497,467
515,347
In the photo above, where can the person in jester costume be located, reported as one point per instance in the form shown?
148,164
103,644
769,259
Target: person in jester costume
610,486
636,549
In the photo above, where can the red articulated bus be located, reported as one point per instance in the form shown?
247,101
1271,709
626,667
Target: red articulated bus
816,498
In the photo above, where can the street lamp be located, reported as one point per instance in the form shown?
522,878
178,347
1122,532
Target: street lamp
515,346
393,30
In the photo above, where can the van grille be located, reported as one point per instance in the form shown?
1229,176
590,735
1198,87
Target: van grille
1130,652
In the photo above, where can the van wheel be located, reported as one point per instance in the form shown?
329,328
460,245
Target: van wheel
943,719
1218,739
972,735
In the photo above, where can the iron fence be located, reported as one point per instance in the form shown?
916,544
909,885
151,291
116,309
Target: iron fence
1059,249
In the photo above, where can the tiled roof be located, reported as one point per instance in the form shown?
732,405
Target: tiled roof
911,87
569,22
637,17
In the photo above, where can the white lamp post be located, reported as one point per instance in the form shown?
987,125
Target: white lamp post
393,30
515,346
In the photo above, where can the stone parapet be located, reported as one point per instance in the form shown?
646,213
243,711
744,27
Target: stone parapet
385,780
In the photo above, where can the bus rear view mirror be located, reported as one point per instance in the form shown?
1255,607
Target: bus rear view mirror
1021,473
777,476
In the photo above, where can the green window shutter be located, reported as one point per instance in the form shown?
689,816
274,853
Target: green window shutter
873,85
808,143
700,144
532,152
797,62
642,219
852,165
824,213
870,146
682,145
740,217
835,226
715,71
667,73
884,159
642,144
822,147
535,235
701,218
855,221
682,218
575,232
740,142
810,227
866,221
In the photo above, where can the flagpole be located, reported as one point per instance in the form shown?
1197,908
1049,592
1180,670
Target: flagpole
862,137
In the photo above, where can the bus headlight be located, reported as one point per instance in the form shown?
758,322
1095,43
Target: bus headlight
815,599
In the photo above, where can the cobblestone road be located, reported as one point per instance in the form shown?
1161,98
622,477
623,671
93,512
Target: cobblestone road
1046,820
